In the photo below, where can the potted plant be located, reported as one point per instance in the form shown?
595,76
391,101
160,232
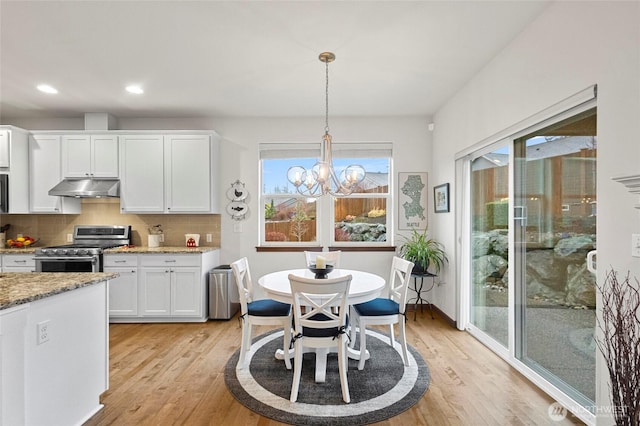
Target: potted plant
424,252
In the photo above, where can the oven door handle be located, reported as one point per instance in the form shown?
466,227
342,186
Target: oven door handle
93,259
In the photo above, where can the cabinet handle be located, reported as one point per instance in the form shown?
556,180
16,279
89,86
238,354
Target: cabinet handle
19,261
133,271
119,261
170,261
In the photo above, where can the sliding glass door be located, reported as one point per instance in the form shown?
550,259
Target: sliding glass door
489,243
555,228
532,215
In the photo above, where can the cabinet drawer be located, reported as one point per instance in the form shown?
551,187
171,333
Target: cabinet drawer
170,260
14,260
121,260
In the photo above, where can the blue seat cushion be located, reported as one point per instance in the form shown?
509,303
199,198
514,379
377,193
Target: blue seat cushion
321,332
377,307
268,308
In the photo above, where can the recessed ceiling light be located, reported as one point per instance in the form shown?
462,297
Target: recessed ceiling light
47,89
135,89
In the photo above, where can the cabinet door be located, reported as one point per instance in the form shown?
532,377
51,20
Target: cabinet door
4,148
142,174
19,172
155,292
188,173
186,292
45,172
76,156
123,292
104,156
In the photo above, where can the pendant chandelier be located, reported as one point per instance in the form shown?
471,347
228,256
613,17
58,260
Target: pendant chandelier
322,179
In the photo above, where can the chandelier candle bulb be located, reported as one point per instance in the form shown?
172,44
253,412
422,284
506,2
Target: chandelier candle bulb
321,262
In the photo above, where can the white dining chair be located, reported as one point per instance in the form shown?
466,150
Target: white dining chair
318,326
332,257
259,312
388,310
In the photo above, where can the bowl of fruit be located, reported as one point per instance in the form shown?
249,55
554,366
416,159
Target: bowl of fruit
21,242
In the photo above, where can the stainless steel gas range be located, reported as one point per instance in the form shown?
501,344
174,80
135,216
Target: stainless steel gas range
86,252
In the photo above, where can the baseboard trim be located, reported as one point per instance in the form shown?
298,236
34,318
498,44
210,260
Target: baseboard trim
436,310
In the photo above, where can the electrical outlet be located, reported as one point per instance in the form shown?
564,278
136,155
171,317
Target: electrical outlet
237,227
209,239
42,330
162,238
69,238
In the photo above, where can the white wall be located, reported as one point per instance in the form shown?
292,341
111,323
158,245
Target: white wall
411,148
571,46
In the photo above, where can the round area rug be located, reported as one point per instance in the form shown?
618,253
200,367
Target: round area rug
383,389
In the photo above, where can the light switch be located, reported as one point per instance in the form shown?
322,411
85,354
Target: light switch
635,245
237,227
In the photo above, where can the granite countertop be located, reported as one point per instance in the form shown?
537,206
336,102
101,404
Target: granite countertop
159,250
27,250
125,249
17,288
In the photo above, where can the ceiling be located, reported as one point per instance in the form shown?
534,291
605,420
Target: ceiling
247,58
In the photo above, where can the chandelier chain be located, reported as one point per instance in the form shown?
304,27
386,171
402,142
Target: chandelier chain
326,94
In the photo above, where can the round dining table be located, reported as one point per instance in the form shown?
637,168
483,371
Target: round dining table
364,286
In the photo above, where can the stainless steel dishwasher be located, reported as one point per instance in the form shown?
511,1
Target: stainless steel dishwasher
224,301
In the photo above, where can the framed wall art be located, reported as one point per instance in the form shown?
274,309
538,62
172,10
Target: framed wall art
441,198
412,200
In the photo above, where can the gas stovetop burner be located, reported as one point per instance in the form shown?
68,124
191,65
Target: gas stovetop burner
73,250
90,240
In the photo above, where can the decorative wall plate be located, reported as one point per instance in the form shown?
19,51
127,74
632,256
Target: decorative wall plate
237,192
237,209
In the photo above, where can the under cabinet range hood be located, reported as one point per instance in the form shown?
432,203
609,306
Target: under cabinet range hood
87,188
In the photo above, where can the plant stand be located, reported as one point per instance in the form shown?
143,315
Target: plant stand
419,289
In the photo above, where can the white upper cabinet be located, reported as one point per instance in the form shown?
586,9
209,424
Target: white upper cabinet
188,169
169,174
4,148
141,174
45,173
90,156
14,161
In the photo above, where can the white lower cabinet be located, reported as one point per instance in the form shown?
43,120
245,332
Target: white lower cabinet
172,291
18,263
168,287
123,290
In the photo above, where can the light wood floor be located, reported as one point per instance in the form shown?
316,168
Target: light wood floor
173,374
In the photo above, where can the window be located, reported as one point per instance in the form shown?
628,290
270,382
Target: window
292,219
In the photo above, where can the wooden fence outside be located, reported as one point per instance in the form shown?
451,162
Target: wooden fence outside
285,228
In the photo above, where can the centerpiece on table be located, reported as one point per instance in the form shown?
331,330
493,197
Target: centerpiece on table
321,268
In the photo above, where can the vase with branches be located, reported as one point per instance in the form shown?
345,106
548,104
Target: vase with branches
620,345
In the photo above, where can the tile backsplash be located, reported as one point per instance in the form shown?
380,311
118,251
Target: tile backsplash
52,229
